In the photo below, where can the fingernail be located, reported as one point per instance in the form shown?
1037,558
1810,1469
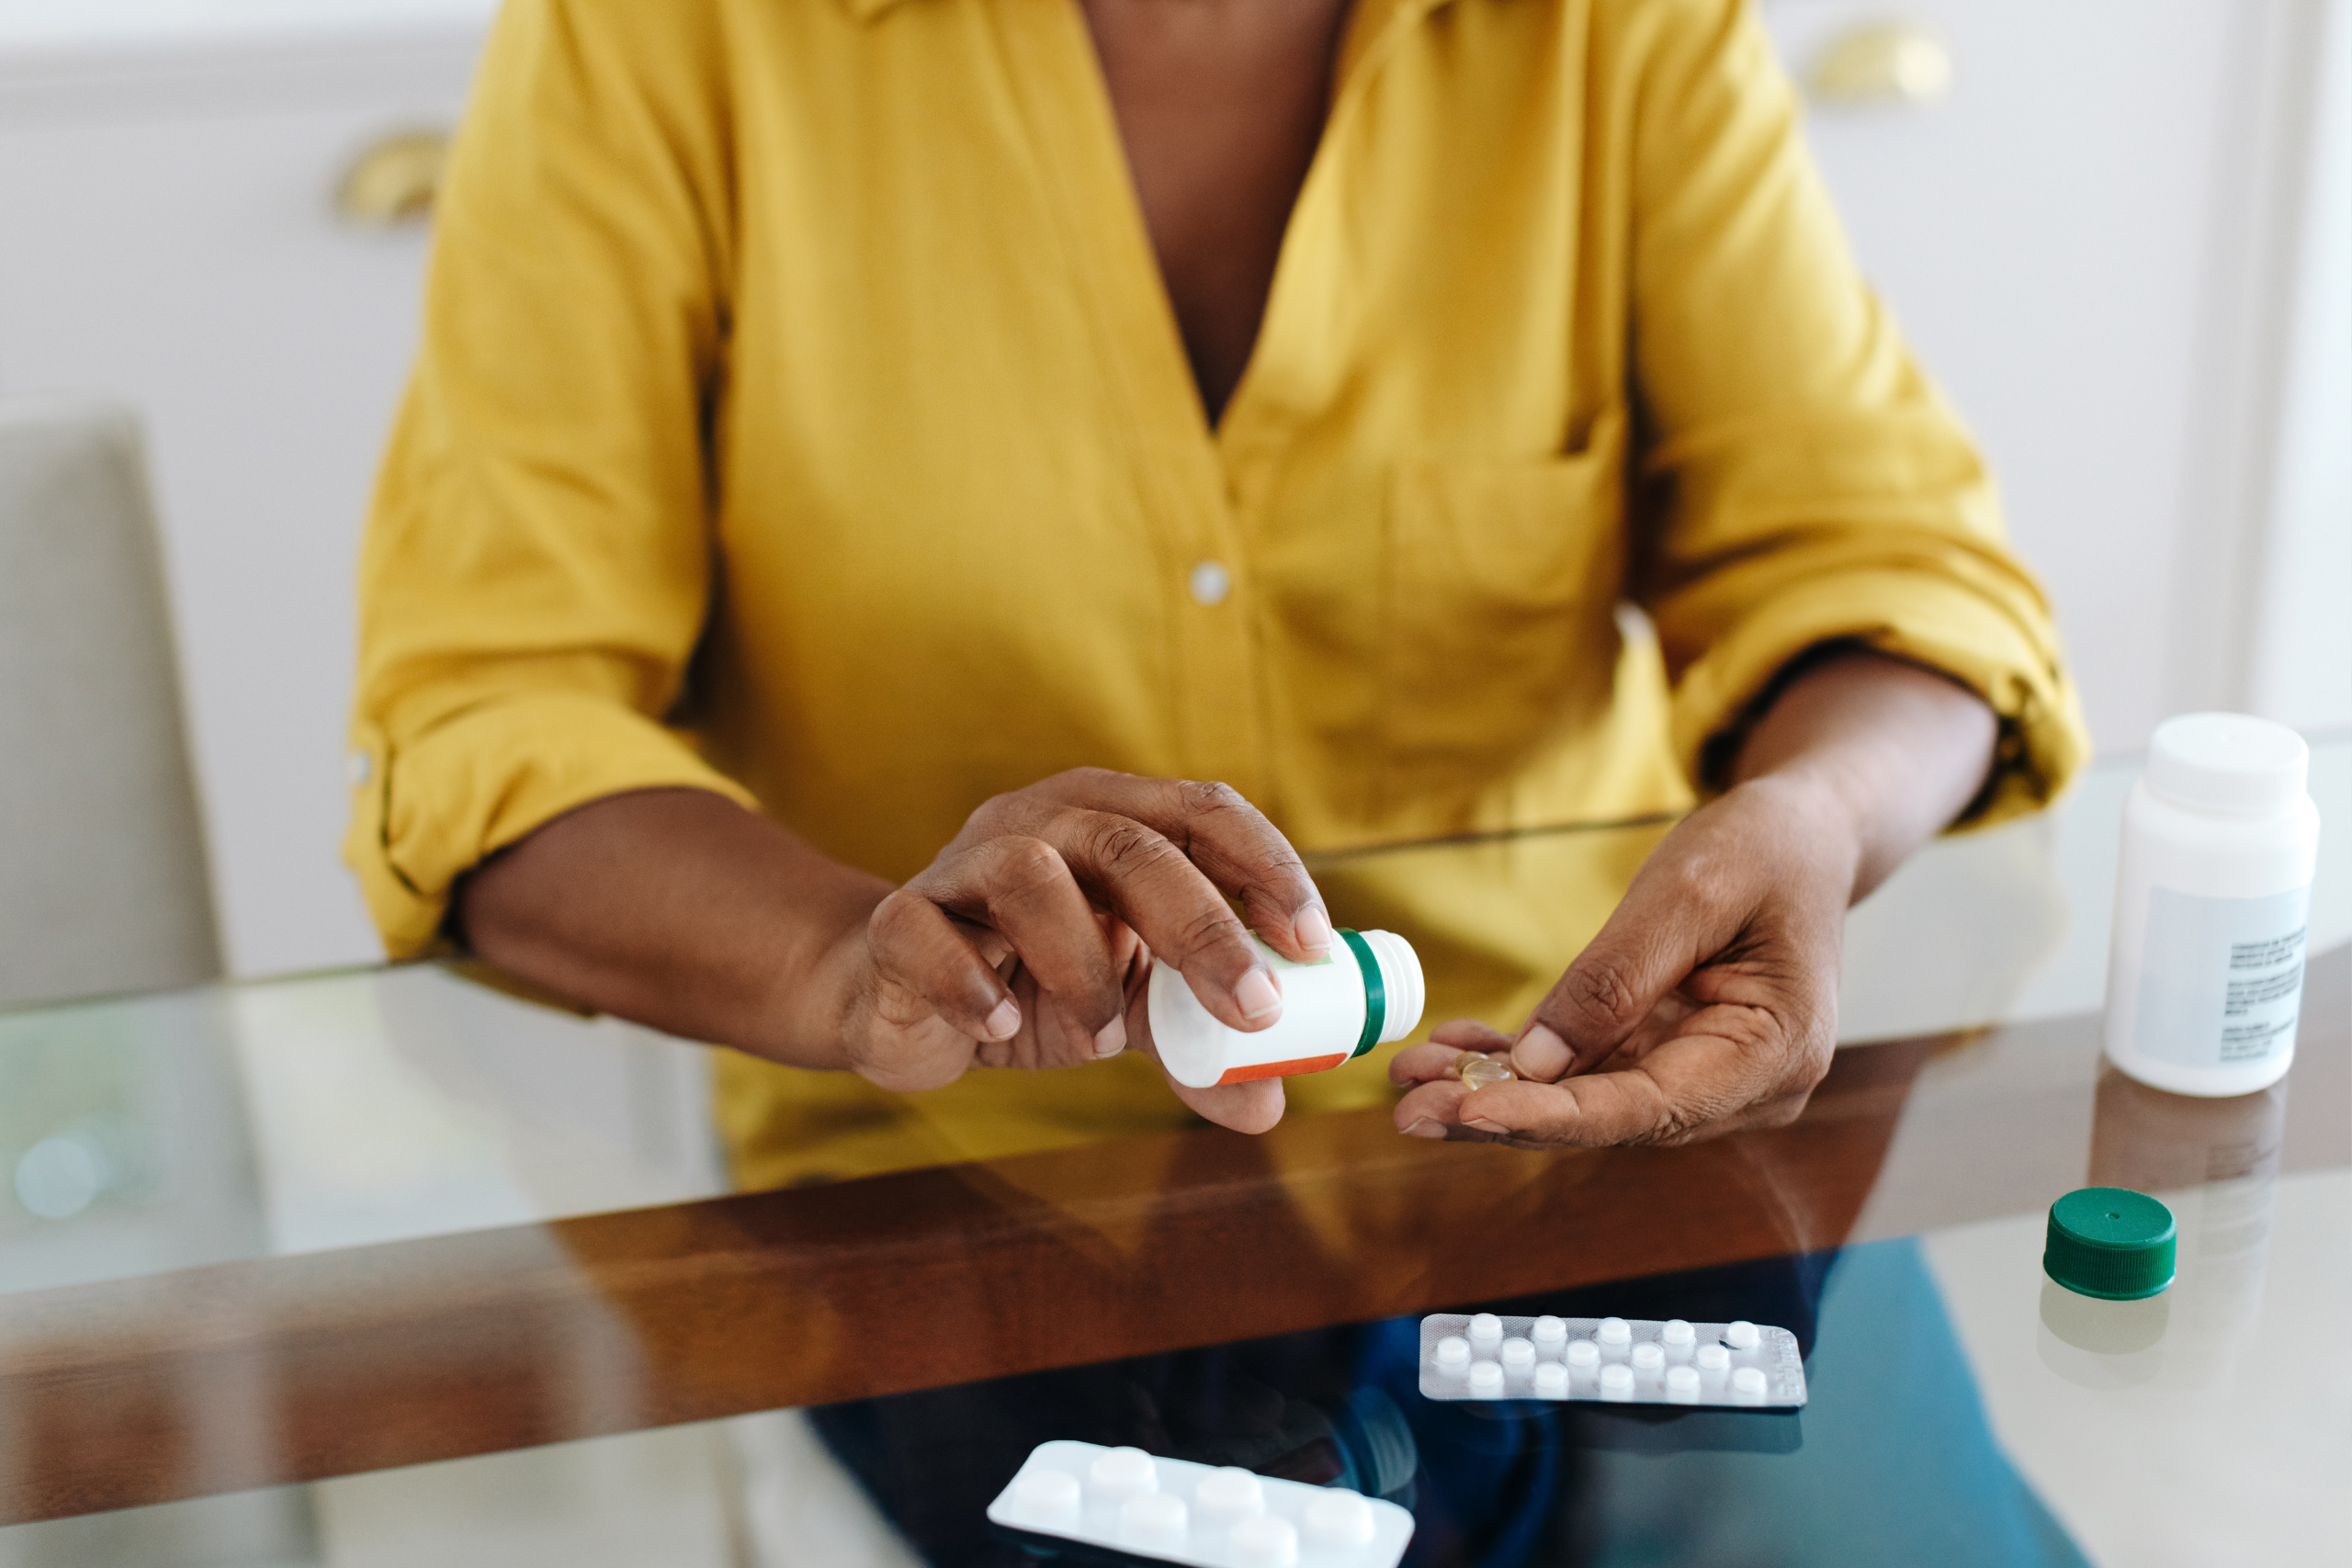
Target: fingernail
1257,994
1313,930
1541,1054
1005,1021
1425,1128
1485,1126
1111,1038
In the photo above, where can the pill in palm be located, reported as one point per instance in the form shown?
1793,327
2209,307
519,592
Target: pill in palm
1478,1071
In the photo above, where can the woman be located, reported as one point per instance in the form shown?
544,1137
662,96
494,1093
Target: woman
848,428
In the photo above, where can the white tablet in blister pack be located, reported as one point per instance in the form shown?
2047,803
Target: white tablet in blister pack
1140,1505
1615,1360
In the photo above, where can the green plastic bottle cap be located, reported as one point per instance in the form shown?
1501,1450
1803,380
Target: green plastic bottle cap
2111,1243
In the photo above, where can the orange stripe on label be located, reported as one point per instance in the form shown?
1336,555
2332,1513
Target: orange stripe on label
1282,1069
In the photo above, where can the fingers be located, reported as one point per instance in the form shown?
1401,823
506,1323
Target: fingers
1031,907
1133,844
1028,879
1434,1110
1469,1034
1437,1100
1729,1066
1254,1107
1706,1003
1228,839
1422,1063
897,1038
1148,880
1672,920
1608,990
919,951
1542,1055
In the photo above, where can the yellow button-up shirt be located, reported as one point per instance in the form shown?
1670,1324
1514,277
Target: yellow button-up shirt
801,416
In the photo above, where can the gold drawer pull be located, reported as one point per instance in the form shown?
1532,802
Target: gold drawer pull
1883,63
392,180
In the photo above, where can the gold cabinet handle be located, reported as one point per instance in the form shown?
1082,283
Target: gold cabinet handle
1882,63
392,180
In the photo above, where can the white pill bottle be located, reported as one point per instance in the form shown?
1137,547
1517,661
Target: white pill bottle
2212,895
1365,992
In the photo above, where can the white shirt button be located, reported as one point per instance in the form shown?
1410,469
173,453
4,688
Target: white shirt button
359,767
1211,582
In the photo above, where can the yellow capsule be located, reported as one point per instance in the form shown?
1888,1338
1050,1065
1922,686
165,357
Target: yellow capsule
1477,1069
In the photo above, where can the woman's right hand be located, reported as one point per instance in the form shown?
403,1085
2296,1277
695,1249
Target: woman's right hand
1026,942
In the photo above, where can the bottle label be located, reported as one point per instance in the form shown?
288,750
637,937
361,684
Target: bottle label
2222,979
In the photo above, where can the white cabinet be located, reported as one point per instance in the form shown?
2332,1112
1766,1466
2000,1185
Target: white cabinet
2089,241
2079,239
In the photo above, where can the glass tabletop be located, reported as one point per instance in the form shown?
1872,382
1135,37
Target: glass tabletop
404,1263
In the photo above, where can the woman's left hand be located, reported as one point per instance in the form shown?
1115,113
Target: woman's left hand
1709,1001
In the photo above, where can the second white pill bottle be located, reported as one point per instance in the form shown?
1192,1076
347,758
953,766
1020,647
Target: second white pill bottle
1366,992
2212,897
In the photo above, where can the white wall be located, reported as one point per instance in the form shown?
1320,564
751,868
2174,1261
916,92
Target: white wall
2302,636
2085,241
167,238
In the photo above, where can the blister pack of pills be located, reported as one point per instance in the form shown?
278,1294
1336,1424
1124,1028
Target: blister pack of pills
1139,1504
1617,1359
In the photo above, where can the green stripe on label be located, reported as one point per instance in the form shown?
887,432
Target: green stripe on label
1375,995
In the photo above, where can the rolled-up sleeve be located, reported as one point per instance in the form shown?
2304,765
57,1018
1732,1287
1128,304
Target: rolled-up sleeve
1803,483
538,564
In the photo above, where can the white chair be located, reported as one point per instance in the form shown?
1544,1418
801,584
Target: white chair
103,881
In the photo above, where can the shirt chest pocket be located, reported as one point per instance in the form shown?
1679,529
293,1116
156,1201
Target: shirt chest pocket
1499,584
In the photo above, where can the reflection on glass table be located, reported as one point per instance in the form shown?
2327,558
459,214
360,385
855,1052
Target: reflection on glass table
1196,1294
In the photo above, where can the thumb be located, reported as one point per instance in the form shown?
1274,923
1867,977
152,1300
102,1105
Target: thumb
1649,946
1252,1107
